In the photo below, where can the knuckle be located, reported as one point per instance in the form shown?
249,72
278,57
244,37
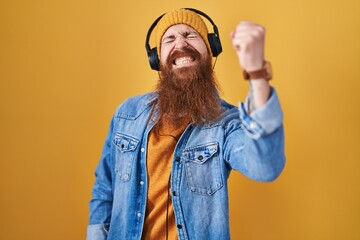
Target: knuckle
261,28
251,38
257,34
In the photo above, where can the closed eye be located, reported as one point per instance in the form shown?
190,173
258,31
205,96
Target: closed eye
169,39
187,35
192,36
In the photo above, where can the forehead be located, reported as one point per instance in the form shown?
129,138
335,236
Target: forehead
179,28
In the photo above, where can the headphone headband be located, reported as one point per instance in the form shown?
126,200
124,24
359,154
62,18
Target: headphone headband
214,40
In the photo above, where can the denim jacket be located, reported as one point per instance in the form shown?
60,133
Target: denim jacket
203,159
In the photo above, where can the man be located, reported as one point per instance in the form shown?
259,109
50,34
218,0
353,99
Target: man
166,159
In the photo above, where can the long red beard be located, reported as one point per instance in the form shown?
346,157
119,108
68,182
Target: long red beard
188,93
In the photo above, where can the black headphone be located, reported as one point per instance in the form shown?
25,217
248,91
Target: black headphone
214,41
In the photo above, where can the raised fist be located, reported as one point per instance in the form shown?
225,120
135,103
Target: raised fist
248,41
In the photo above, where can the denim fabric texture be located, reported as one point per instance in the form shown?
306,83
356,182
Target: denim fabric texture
203,159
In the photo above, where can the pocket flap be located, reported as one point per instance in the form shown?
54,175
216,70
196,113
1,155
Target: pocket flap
125,143
200,154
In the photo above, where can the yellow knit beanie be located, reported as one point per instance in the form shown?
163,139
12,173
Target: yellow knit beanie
181,16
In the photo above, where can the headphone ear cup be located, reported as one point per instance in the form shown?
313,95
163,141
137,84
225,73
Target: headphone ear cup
154,59
215,44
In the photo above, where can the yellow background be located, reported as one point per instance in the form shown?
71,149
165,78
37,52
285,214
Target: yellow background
66,65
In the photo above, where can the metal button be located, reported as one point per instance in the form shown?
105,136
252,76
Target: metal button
179,226
200,157
253,125
139,214
142,149
175,193
141,182
177,159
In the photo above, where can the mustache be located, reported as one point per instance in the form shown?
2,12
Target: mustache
186,51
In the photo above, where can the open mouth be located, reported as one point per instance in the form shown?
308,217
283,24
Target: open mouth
183,60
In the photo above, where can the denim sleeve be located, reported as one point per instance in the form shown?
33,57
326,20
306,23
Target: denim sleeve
254,145
264,120
102,194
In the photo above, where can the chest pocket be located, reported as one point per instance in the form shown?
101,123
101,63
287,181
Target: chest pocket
124,155
203,169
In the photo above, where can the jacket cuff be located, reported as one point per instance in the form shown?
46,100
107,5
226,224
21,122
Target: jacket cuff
97,232
264,120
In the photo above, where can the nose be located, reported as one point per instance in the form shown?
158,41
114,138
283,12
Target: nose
180,42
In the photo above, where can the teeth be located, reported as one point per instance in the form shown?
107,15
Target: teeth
183,60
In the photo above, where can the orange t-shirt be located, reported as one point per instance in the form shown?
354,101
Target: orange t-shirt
160,151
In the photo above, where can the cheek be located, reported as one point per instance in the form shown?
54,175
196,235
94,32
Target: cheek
200,46
164,53
203,50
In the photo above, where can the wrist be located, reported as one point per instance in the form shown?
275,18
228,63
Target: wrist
259,93
264,72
